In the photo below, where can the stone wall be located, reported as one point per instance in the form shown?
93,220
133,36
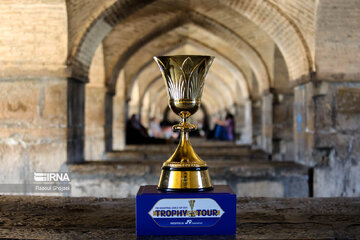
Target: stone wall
326,115
33,38
326,135
33,127
337,40
33,88
338,139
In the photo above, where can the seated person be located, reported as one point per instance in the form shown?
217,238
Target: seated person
136,133
224,130
155,129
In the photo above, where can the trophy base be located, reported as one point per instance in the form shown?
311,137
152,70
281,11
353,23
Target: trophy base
185,179
186,213
185,190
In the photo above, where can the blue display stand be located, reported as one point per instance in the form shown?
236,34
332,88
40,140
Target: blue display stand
185,213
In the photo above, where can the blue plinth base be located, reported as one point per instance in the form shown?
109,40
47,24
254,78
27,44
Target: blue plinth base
185,213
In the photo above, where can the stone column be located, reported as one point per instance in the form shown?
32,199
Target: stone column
267,122
304,124
283,144
327,133
133,109
109,116
239,121
95,102
256,124
246,130
144,113
119,122
145,110
75,121
119,113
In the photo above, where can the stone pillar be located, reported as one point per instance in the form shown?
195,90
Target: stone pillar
256,124
283,144
267,122
144,113
222,114
119,112
109,116
96,99
95,102
304,129
239,121
145,110
75,121
134,101
133,109
246,131
119,122
211,121
326,135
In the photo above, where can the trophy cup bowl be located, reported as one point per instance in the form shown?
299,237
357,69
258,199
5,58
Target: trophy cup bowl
184,77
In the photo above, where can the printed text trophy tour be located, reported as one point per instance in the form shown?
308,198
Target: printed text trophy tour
184,79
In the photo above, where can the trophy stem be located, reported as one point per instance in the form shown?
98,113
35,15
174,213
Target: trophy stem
185,170
184,147
185,128
184,125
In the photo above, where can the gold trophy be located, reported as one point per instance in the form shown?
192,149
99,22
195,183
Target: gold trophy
184,78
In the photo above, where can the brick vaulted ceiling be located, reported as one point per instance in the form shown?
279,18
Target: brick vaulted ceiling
242,35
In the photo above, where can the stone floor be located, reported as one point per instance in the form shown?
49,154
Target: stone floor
30,217
208,150
260,178
250,173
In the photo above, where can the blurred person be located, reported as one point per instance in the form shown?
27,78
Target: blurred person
136,133
168,132
155,129
224,130
200,128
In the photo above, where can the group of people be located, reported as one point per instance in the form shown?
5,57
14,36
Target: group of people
160,133
161,130
136,133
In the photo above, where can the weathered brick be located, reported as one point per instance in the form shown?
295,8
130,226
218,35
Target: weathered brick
19,101
337,34
34,34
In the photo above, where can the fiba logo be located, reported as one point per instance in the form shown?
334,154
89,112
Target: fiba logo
192,203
